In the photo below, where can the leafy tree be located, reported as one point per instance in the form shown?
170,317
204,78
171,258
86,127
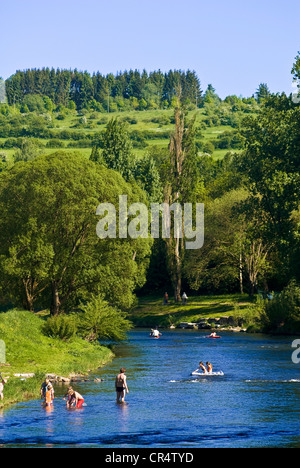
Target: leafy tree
146,173
34,103
50,254
180,184
271,164
210,96
283,312
271,161
117,148
28,151
234,253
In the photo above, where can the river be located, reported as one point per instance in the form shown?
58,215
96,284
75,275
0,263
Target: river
255,404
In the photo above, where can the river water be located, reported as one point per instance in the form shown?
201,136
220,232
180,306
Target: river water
255,404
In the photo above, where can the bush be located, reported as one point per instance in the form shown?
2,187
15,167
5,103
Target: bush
282,314
99,320
55,143
61,326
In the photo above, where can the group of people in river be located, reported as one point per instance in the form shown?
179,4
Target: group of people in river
75,399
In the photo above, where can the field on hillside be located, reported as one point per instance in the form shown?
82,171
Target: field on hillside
76,131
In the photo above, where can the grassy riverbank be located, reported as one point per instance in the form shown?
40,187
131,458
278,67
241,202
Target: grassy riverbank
281,315
28,350
151,311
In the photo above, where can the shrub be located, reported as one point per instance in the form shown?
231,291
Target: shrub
60,326
283,312
99,320
55,143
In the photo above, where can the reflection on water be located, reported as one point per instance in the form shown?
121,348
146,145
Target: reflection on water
255,404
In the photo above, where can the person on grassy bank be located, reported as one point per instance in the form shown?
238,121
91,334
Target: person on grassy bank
2,383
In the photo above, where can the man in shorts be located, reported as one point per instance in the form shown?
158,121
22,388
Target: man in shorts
121,385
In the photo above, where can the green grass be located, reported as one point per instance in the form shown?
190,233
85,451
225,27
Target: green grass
151,312
137,120
29,351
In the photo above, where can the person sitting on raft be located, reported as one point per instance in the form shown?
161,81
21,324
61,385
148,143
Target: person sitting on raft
202,367
209,368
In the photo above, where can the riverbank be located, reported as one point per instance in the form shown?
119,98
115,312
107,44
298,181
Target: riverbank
29,351
238,309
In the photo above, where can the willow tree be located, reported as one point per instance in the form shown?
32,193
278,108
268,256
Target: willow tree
180,183
50,255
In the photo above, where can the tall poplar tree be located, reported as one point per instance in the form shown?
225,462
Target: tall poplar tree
180,186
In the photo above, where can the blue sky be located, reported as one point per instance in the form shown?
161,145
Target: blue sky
235,45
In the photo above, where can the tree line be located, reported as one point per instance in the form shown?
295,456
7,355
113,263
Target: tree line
81,89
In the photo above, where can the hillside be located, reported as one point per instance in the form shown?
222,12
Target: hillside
74,122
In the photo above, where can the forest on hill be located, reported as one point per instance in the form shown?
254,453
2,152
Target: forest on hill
69,140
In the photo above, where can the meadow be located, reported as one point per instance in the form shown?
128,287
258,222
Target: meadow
77,131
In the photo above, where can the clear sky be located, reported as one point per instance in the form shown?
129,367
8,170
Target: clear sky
233,44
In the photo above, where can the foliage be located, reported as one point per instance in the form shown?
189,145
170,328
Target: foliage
60,326
271,164
282,313
117,148
28,350
101,321
130,88
50,254
263,93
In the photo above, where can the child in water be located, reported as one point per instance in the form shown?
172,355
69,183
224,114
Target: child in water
49,396
74,399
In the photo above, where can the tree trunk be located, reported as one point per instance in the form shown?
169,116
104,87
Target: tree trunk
29,298
241,275
55,302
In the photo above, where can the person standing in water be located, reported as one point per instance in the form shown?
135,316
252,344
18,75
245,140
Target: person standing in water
49,396
121,385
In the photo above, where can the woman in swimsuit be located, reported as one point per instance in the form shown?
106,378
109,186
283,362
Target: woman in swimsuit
121,386
209,367
202,367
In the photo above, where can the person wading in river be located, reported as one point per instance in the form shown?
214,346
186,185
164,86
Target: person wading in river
121,386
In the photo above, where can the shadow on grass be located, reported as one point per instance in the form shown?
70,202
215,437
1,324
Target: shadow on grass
151,311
